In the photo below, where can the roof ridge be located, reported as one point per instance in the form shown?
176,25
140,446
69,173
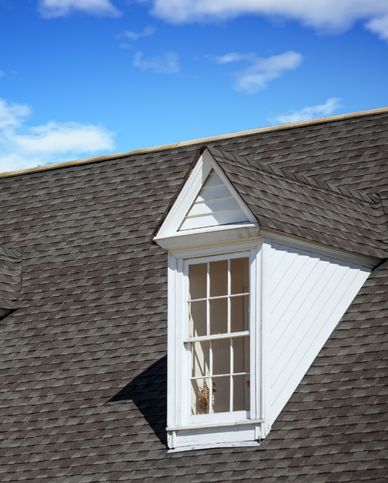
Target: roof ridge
370,198
165,147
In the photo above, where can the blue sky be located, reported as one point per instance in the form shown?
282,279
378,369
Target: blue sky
86,77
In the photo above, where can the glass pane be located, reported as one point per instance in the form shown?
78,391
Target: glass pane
197,280
241,354
200,396
200,359
221,394
219,316
218,278
239,268
241,393
239,313
197,318
221,356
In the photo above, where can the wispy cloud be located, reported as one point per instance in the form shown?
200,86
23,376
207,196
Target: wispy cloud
62,8
309,112
234,57
379,26
260,70
134,36
165,63
23,145
7,74
331,15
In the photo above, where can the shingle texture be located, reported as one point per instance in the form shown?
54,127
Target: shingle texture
83,360
307,209
10,280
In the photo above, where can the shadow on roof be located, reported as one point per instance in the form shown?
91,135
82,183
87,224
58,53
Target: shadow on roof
148,391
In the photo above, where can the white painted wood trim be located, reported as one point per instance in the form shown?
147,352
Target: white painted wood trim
185,199
295,242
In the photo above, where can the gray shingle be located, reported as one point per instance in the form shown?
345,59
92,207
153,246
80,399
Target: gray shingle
82,361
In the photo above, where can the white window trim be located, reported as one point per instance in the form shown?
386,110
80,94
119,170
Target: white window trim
185,431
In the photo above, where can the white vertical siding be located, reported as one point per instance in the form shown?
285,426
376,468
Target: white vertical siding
213,206
309,293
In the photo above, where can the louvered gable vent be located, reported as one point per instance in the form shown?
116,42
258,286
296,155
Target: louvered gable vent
213,206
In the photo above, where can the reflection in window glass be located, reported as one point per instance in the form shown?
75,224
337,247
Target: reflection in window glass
218,316
197,318
221,394
221,356
240,354
200,359
218,278
240,275
241,393
239,313
197,274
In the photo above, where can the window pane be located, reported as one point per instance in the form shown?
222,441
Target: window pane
219,316
200,359
197,280
218,278
239,268
239,313
200,396
241,393
221,356
241,354
197,318
221,394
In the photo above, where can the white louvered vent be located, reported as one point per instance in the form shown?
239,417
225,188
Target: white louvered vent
213,206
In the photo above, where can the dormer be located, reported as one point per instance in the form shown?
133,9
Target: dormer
256,285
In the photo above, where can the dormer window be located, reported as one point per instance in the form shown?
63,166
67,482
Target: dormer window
218,336
248,309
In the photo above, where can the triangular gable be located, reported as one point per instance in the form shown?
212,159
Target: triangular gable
215,205
206,202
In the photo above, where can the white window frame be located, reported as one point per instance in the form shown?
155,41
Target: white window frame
185,430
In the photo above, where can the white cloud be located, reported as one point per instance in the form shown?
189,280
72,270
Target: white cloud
12,114
309,112
233,57
332,15
260,70
133,36
23,146
379,26
166,63
62,8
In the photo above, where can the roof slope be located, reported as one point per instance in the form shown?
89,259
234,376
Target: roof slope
307,209
10,280
82,361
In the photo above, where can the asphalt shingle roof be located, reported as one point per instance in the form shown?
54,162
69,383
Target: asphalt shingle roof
308,210
10,280
83,360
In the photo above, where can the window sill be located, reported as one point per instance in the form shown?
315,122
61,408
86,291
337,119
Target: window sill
213,435
240,444
220,424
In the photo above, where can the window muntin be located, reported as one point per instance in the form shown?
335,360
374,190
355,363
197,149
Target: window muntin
218,335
